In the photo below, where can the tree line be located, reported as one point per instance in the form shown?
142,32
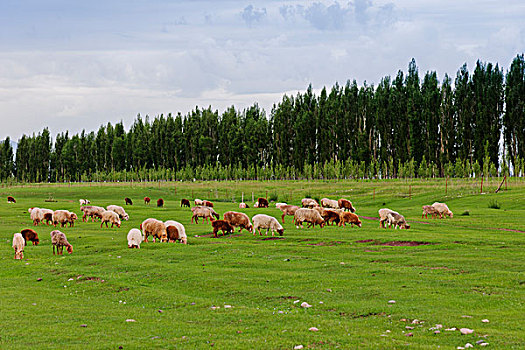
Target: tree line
406,126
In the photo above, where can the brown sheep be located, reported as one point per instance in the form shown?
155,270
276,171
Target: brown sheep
184,202
288,210
48,218
311,216
346,204
331,217
147,200
350,218
240,220
207,204
222,225
160,202
10,199
428,209
128,201
262,202
204,213
30,235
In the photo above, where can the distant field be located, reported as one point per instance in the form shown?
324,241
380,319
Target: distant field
450,272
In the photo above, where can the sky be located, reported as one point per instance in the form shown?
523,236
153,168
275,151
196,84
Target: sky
72,65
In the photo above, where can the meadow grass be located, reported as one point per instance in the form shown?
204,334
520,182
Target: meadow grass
470,268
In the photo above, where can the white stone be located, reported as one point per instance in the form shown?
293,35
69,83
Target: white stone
305,304
391,301
298,347
465,331
313,329
485,321
468,345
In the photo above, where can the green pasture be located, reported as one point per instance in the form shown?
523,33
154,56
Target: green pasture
453,272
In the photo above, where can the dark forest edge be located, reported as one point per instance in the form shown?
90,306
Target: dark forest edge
403,128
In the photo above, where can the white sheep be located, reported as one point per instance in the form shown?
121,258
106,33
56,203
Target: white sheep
180,228
309,203
311,216
37,216
392,218
134,238
63,217
59,240
443,209
119,210
110,216
329,203
198,201
93,211
154,227
84,201
266,222
18,246
280,204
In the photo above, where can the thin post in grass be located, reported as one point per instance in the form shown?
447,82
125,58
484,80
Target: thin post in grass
481,190
446,185
410,191
374,193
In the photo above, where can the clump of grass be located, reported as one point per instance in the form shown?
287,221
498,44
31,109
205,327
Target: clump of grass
465,213
493,204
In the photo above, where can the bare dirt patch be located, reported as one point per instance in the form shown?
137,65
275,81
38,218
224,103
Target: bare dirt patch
91,278
403,243
366,241
272,238
331,243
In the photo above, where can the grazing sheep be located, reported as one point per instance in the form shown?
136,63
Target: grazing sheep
279,204
119,210
92,211
18,246
147,200
128,201
262,221
30,235
198,202
36,215
84,201
329,203
397,220
59,240
288,210
48,218
134,238
351,218
184,202
331,216
204,213
443,209
181,231
110,216
160,202
309,203
311,216
240,220
428,209
10,199
222,225
64,217
256,205
207,204
262,202
345,204
392,218
156,228
243,205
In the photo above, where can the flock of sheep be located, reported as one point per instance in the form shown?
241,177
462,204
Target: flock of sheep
328,212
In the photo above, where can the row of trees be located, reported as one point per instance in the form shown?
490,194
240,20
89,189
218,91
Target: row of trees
405,120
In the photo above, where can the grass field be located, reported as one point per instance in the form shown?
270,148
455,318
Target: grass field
462,271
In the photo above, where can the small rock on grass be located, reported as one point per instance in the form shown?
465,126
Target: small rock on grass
485,320
83,325
227,306
305,304
130,320
437,332
483,344
409,327
328,290
391,301
39,279
466,331
313,329
468,345
298,347
409,334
